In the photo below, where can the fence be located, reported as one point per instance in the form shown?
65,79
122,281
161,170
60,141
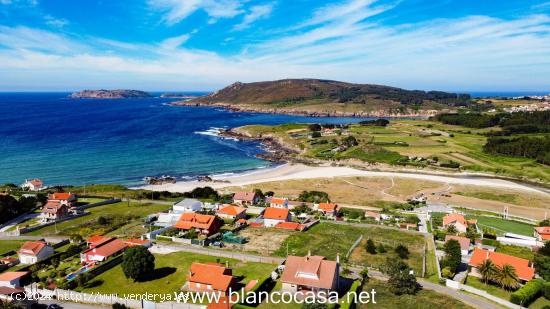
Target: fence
162,249
469,289
36,227
355,244
106,202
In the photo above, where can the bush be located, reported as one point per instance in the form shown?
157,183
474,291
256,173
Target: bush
546,290
316,134
370,247
528,292
137,263
119,306
402,251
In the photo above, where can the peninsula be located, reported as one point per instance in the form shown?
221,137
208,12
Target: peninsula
110,94
323,98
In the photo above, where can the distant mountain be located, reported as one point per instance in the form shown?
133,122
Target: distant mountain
110,94
327,97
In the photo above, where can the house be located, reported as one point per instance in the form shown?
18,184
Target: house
12,279
98,240
273,216
278,202
463,241
459,222
232,212
33,184
292,226
134,242
63,198
167,219
34,251
102,250
328,209
542,233
210,277
203,224
523,267
373,214
310,273
54,210
187,205
246,198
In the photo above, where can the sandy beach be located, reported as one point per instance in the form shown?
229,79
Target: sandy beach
299,171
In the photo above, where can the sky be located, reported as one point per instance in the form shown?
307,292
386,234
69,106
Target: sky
204,45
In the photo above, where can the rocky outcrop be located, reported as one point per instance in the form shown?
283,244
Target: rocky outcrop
109,94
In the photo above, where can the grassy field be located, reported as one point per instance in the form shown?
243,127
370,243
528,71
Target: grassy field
489,288
423,299
522,252
329,240
502,226
126,220
171,274
418,138
9,245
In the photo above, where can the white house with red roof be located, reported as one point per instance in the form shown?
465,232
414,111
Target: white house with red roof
328,209
34,251
459,222
101,248
523,267
310,274
54,210
64,198
278,202
12,279
246,198
273,216
232,212
209,277
542,233
34,184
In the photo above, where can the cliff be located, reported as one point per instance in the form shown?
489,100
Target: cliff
110,94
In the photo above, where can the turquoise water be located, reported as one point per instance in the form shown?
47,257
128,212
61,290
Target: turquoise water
85,141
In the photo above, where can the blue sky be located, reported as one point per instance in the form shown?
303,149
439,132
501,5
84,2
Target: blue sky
475,45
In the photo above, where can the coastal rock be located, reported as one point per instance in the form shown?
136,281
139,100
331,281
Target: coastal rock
109,94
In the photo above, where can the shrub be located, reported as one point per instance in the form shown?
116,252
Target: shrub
316,134
528,292
370,247
547,290
402,251
137,263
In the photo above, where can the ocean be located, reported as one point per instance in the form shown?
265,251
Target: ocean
92,141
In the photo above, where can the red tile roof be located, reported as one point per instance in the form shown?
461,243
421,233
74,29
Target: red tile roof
217,276
12,275
244,196
232,210
32,247
188,221
543,231
108,249
52,207
276,213
98,240
523,270
463,241
278,201
294,226
36,182
313,271
454,217
132,242
327,207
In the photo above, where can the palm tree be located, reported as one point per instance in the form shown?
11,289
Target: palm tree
488,270
507,277
451,229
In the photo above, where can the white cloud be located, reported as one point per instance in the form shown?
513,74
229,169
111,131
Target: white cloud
55,22
255,13
177,10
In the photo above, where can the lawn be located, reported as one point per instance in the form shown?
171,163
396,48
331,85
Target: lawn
9,245
423,299
123,217
489,288
503,226
329,240
170,274
521,252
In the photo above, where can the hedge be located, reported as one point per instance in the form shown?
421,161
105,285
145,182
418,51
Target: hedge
353,289
528,292
547,290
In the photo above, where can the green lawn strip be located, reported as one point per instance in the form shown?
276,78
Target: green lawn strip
504,226
489,288
540,303
170,274
521,252
423,299
328,240
78,225
9,245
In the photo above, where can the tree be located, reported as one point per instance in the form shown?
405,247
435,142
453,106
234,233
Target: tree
381,248
542,261
402,251
119,306
137,263
315,134
545,222
301,209
402,280
259,193
350,141
487,269
370,247
451,229
315,127
507,277
364,274
453,255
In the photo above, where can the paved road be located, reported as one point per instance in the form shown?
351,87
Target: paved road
471,300
6,226
68,305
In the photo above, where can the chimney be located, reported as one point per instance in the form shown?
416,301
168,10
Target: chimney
337,258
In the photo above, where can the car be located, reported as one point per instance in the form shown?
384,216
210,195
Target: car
54,306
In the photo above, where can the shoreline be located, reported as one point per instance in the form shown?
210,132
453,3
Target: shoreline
290,171
335,114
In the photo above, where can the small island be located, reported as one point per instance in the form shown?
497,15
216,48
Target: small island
110,94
